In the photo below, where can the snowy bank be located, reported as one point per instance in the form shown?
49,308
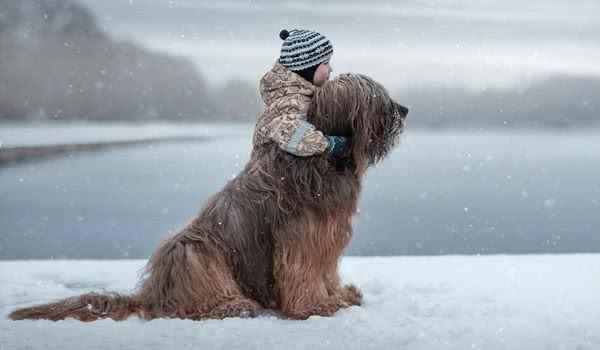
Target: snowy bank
34,141
450,302
44,134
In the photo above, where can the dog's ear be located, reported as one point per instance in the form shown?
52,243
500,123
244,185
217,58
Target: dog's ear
377,121
340,107
329,112
361,137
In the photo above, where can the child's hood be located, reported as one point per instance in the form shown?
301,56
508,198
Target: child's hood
280,82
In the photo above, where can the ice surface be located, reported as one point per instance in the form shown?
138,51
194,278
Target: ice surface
451,302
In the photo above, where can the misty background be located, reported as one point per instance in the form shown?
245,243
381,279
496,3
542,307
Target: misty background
456,63
501,153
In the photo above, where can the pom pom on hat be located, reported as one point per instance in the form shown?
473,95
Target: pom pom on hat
284,34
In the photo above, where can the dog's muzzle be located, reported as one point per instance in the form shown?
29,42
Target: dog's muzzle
400,109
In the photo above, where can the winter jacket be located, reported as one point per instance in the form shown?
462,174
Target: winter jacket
287,97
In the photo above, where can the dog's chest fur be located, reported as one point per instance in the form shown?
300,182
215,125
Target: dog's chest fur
267,207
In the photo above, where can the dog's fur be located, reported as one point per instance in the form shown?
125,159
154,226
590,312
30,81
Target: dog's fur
272,237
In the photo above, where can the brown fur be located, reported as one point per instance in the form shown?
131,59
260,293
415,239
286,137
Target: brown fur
271,239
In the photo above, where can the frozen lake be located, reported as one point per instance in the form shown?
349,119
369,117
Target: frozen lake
446,192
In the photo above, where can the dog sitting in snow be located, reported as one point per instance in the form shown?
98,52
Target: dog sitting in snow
272,238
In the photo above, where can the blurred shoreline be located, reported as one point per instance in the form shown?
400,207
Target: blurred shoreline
12,155
33,141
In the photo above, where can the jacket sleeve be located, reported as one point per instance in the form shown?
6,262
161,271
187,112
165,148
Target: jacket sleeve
295,135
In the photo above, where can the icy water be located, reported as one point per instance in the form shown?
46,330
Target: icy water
445,192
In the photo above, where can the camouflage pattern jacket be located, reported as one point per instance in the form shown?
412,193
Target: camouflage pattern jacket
287,97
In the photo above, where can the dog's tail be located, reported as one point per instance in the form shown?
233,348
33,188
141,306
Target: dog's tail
86,307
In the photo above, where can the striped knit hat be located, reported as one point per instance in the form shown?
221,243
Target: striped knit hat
304,49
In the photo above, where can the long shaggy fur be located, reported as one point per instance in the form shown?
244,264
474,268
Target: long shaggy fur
271,239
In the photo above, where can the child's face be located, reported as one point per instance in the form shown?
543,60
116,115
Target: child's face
322,74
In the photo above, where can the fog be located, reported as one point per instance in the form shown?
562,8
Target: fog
483,64
476,44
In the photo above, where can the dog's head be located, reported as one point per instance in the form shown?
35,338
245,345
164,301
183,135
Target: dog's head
358,107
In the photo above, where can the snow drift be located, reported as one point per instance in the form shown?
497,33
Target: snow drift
450,302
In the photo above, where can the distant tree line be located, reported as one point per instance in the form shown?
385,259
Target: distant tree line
56,64
557,102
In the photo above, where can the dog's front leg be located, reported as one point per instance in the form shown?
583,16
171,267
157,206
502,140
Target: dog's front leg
299,279
347,295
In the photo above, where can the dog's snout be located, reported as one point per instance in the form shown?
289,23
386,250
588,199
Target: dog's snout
402,110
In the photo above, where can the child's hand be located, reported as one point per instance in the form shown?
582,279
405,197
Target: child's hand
337,145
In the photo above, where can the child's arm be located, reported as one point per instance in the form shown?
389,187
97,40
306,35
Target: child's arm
295,135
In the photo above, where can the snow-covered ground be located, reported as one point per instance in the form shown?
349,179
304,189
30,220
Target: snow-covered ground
451,302
13,135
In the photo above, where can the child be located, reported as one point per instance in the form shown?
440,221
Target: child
287,90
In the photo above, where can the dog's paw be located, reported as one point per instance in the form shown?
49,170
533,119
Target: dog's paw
352,295
238,308
324,309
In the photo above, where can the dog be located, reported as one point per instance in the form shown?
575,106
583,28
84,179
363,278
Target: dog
272,238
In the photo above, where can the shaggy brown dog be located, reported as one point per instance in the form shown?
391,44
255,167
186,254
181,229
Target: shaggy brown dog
271,239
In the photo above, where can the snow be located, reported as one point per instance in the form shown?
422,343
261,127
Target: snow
446,302
14,135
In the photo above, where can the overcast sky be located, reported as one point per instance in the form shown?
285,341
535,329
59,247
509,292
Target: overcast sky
476,44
